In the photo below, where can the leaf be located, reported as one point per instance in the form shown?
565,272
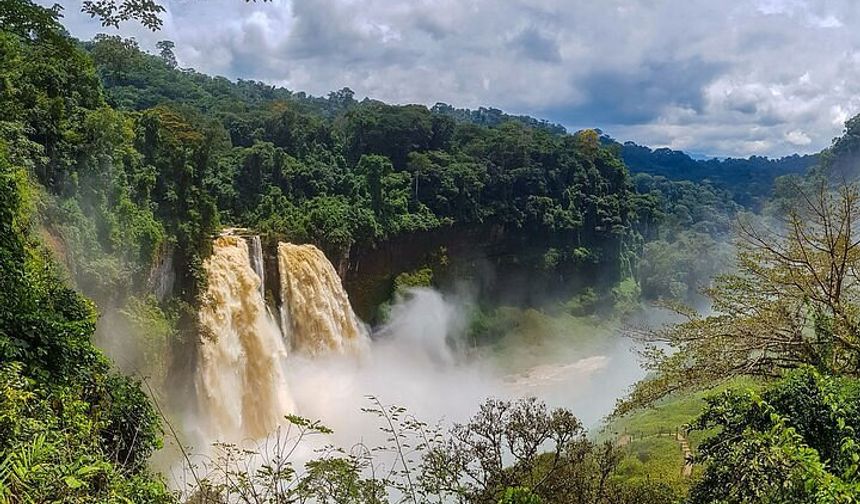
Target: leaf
73,482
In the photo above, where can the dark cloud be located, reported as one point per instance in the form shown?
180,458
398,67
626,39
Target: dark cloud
320,31
641,94
535,45
431,27
323,31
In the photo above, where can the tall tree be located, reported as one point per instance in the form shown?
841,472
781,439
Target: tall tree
165,50
794,300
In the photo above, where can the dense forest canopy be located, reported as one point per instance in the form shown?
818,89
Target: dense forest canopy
191,152
114,161
340,172
750,181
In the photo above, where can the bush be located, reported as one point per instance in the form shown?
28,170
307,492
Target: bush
798,441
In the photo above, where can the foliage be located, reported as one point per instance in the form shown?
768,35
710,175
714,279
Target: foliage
268,474
625,296
792,301
679,270
493,117
70,429
686,227
584,303
530,328
96,205
648,438
151,330
419,463
28,20
548,450
339,172
114,12
519,495
839,161
419,278
682,206
795,442
749,181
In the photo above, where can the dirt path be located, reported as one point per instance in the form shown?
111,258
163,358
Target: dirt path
687,470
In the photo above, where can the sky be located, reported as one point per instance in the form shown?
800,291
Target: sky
716,78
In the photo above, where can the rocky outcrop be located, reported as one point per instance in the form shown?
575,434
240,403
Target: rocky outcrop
500,265
162,275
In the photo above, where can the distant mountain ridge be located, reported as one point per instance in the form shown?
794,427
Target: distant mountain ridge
749,180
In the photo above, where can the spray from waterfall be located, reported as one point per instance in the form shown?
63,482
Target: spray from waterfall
420,359
315,313
240,380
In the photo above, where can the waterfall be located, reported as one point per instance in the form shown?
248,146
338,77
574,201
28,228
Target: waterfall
315,312
240,380
256,251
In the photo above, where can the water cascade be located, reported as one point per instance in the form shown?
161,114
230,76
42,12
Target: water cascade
240,379
316,315
417,358
255,247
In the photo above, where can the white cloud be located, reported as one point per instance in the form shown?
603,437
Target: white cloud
797,137
828,21
735,77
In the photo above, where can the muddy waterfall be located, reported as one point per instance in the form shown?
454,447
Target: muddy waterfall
241,382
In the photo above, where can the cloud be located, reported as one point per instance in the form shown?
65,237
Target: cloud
797,137
639,94
533,44
728,78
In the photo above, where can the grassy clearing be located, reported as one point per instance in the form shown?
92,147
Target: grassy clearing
652,451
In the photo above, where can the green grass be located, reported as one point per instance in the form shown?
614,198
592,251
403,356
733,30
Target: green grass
653,452
669,414
656,458
666,416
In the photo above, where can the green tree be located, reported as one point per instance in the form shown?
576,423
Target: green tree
386,130
519,495
114,12
70,429
794,300
165,50
795,442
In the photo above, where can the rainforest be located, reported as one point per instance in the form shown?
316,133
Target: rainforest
220,290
